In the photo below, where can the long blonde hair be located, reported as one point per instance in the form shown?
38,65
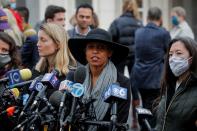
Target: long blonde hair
131,6
63,59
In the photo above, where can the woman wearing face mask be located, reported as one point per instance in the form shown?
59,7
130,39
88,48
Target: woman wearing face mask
9,55
9,59
177,110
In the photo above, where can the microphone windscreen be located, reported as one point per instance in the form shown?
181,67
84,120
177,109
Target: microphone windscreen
80,74
25,74
55,98
10,111
70,76
15,92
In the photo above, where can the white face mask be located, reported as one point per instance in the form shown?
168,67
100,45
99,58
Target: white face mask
179,65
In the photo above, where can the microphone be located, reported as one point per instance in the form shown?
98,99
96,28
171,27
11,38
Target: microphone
49,80
16,76
20,84
55,98
114,94
36,84
66,87
9,111
143,114
15,92
76,89
80,74
79,77
40,95
25,98
35,87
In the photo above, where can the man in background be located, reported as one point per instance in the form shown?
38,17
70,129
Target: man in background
151,43
55,14
83,16
29,52
27,28
179,23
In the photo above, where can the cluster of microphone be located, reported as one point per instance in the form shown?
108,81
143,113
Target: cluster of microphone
63,109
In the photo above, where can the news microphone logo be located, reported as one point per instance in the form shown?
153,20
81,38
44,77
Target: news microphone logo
144,111
50,78
36,85
14,77
115,92
66,85
25,98
77,90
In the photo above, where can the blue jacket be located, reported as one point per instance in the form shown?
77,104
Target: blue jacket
151,44
29,52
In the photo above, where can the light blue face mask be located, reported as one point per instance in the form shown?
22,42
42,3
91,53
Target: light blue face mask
4,59
175,20
13,5
179,65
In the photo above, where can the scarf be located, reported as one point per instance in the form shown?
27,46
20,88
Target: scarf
106,78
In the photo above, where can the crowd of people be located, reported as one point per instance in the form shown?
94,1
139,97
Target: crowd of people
161,65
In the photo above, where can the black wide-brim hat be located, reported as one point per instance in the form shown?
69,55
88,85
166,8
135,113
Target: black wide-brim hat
77,46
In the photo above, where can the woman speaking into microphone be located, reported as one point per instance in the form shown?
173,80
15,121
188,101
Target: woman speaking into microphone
99,53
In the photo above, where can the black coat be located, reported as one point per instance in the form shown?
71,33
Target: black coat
123,30
29,52
180,114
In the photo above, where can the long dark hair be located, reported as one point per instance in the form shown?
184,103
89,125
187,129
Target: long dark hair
168,78
13,51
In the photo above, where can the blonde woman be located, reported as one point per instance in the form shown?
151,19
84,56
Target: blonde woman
53,51
131,6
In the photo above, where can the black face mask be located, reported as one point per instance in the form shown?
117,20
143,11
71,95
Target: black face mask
4,59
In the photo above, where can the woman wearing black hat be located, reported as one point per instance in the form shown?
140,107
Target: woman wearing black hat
99,53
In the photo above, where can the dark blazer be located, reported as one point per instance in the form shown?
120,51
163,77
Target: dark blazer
29,52
151,44
180,114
